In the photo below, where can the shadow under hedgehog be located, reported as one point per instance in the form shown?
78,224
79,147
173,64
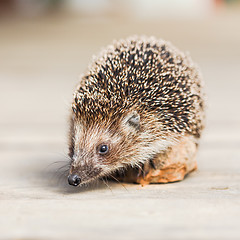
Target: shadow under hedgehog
137,114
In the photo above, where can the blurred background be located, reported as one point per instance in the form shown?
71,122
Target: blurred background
45,45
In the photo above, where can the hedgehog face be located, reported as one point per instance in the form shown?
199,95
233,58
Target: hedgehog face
97,150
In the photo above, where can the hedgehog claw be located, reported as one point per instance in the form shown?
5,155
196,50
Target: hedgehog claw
152,164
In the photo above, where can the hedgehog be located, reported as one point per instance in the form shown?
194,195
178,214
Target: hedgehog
137,114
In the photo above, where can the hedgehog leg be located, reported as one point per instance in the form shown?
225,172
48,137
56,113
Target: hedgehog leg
170,166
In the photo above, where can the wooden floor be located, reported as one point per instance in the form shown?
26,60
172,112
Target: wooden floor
39,66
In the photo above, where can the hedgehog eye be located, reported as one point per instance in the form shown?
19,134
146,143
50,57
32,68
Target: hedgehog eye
103,149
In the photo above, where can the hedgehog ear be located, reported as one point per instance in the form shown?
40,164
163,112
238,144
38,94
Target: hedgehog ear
133,119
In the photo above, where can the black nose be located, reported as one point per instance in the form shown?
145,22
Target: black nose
74,179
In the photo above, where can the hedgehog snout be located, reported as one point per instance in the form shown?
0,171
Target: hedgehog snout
74,179
79,175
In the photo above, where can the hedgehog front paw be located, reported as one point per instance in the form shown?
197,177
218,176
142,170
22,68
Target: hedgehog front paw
141,174
144,171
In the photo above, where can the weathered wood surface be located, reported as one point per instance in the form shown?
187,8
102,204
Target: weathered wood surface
39,65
